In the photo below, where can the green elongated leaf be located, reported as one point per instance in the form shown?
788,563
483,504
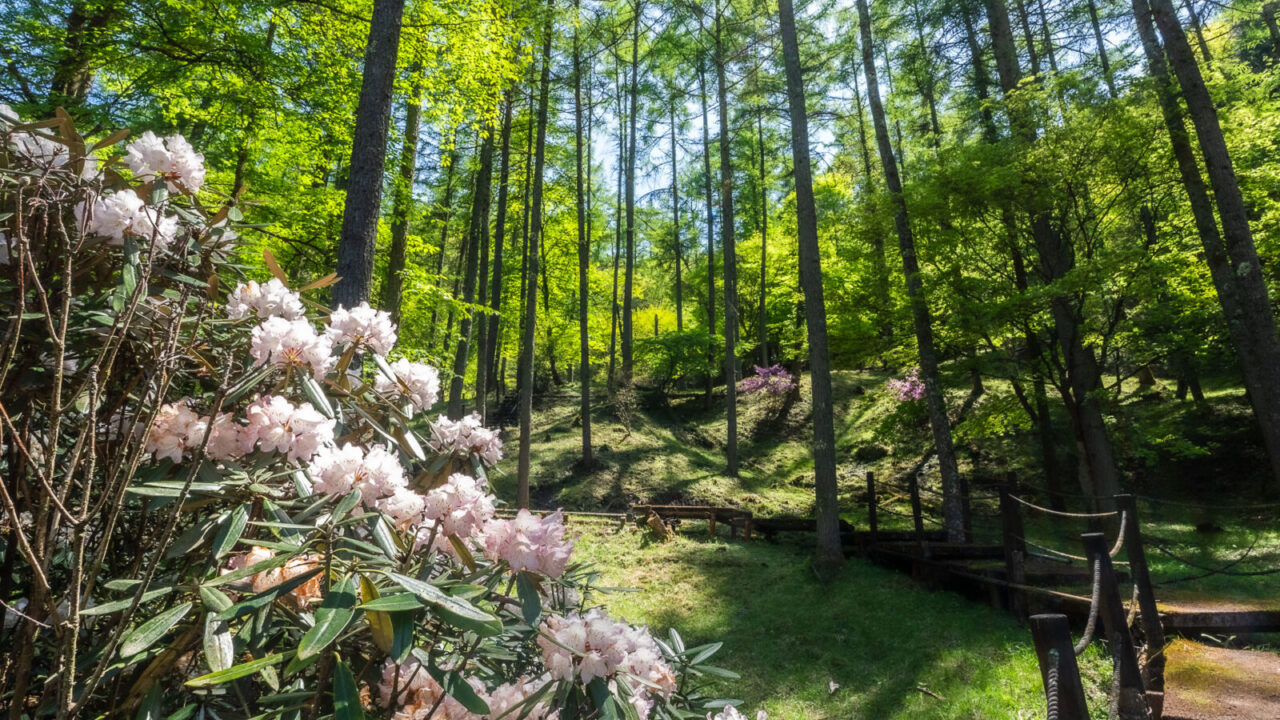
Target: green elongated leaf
215,599
286,698
402,629
247,383
530,601
150,709
716,671
118,605
235,672
459,689
244,572
230,532
702,652
467,591
393,603
455,611
172,490
346,696
345,505
677,643
183,713
146,634
315,395
332,617
385,537
268,596
219,646
121,584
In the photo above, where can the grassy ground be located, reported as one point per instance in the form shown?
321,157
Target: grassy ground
894,650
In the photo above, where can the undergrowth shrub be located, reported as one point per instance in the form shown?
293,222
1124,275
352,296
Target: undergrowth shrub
223,500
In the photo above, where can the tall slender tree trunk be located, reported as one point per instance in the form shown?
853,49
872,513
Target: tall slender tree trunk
764,240
584,259
1198,28
445,213
614,313
359,238
526,213
73,70
531,292
879,260
1056,260
488,358
1235,268
676,243
711,234
830,550
1050,50
952,504
1028,37
629,274
1101,44
393,284
729,246
478,237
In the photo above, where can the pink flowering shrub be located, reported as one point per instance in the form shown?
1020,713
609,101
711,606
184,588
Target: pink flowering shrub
908,388
773,381
254,513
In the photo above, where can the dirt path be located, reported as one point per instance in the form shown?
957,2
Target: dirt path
1211,683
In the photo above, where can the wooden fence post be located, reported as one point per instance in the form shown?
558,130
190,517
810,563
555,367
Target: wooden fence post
1132,702
873,524
1015,548
1153,671
1058,669
917,515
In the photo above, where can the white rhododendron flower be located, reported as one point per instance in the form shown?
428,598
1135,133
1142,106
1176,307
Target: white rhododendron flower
461,506
417,382
124,213
466,436
377,474
172,159
170,431
362,325
508,696
277,425
270,300
528,542
595,645
286,343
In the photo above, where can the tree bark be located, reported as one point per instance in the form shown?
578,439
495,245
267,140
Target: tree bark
617,229
1234,265
73,72
359,240
830,550
584,259
711,234
393,284
483,380
531,292
445,213
478,237
764,230
730,254
629,273
675,222
1098,40
952,508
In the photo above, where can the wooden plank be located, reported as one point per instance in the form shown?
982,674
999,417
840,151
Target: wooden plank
1234,621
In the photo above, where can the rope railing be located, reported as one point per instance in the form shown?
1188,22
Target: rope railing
1095,598
1064,514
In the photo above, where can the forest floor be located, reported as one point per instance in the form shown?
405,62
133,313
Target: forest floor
893,648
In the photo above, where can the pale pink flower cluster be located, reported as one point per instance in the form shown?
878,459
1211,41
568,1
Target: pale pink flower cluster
909,388
595,645
506,697
295,343
410,689
377,474
267,301
464,437
362,325
124,213
418,382
461,506
178,430
171,158
528,542
277,425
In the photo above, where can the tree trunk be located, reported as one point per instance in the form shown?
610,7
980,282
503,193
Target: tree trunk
675,222
73,71
629,274
711,234
487,370
445,214
879,260
617,230
764,231
952,508
478,237
1050,51
830,549
531,292
359,238
584,259
1103,60
526,213
1234,265
730,254
1198,28
393,284
1033,55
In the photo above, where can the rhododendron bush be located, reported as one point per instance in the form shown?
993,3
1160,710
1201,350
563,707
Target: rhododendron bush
222,500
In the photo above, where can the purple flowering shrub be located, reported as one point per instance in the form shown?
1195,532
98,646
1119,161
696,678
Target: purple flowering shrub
773,381
907,388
